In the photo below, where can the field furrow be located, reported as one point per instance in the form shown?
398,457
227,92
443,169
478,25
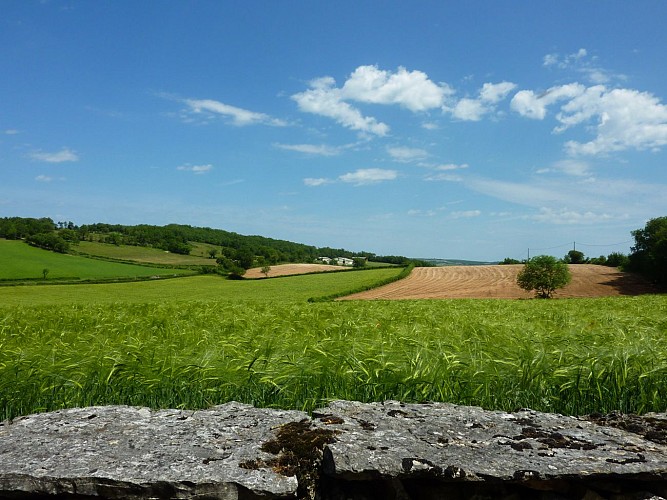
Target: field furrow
499,282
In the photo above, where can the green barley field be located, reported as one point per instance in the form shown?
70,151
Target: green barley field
200,341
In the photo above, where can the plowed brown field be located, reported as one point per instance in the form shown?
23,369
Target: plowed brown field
499,282
289,269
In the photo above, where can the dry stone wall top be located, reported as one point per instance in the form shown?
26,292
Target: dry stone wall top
346,450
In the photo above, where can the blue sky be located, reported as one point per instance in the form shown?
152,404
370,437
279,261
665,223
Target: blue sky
472,130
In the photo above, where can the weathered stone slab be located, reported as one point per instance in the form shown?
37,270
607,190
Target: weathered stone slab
450,443
127,452
348,450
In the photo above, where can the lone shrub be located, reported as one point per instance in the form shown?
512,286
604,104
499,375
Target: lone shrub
544,274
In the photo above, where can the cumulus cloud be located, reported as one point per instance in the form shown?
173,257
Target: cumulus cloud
239,117
312,149
406,155
61,156
490,94
626,119
324,99
365,176
531,105
622,118
196,169
412,90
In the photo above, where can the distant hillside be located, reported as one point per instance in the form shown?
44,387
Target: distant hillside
178,239
457,262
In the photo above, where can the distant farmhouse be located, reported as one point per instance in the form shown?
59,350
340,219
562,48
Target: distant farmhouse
341,261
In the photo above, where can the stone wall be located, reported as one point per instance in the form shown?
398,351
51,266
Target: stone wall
347,450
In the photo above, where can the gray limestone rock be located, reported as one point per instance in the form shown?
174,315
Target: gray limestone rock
347,450
469,443
127,452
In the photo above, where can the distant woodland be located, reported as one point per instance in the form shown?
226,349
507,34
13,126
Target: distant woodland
176,238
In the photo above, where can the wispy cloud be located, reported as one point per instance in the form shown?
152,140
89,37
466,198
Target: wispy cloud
465,214
11,131
196,169
407,155
365,176
43,178
311,149
61,156
359,177
238,116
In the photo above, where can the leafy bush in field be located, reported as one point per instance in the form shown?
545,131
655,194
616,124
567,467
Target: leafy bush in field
544,274
571,356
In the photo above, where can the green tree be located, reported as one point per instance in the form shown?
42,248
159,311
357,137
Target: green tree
212,253
544,274
575,257
266,270
45,272
649,255
358,262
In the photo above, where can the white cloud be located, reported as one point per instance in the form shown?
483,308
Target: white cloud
406,155
239,116
564,61
43,178
61,156
421,213
465,214
369,176
568,167
450,166
410,89
444,177
490,94
312,149
11,131
564,216
316,182
325,100
626,119
531,105
196,169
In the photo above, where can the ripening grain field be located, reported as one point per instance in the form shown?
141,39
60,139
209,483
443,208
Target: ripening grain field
572,356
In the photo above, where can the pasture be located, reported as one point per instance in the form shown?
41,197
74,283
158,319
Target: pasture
145,255
19,261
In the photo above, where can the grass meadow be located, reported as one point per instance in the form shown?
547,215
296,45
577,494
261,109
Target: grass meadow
198,256
260,342
19,261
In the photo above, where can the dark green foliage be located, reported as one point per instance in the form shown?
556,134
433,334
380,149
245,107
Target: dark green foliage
575,257
14,228
616,259
544,274
359,262
649,255
509,261
48,241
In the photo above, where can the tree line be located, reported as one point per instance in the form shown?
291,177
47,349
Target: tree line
648,256
232,248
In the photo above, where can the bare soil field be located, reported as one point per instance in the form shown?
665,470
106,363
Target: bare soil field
499,282
289,269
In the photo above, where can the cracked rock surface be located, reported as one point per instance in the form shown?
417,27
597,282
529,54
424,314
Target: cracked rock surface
348,450
129,452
